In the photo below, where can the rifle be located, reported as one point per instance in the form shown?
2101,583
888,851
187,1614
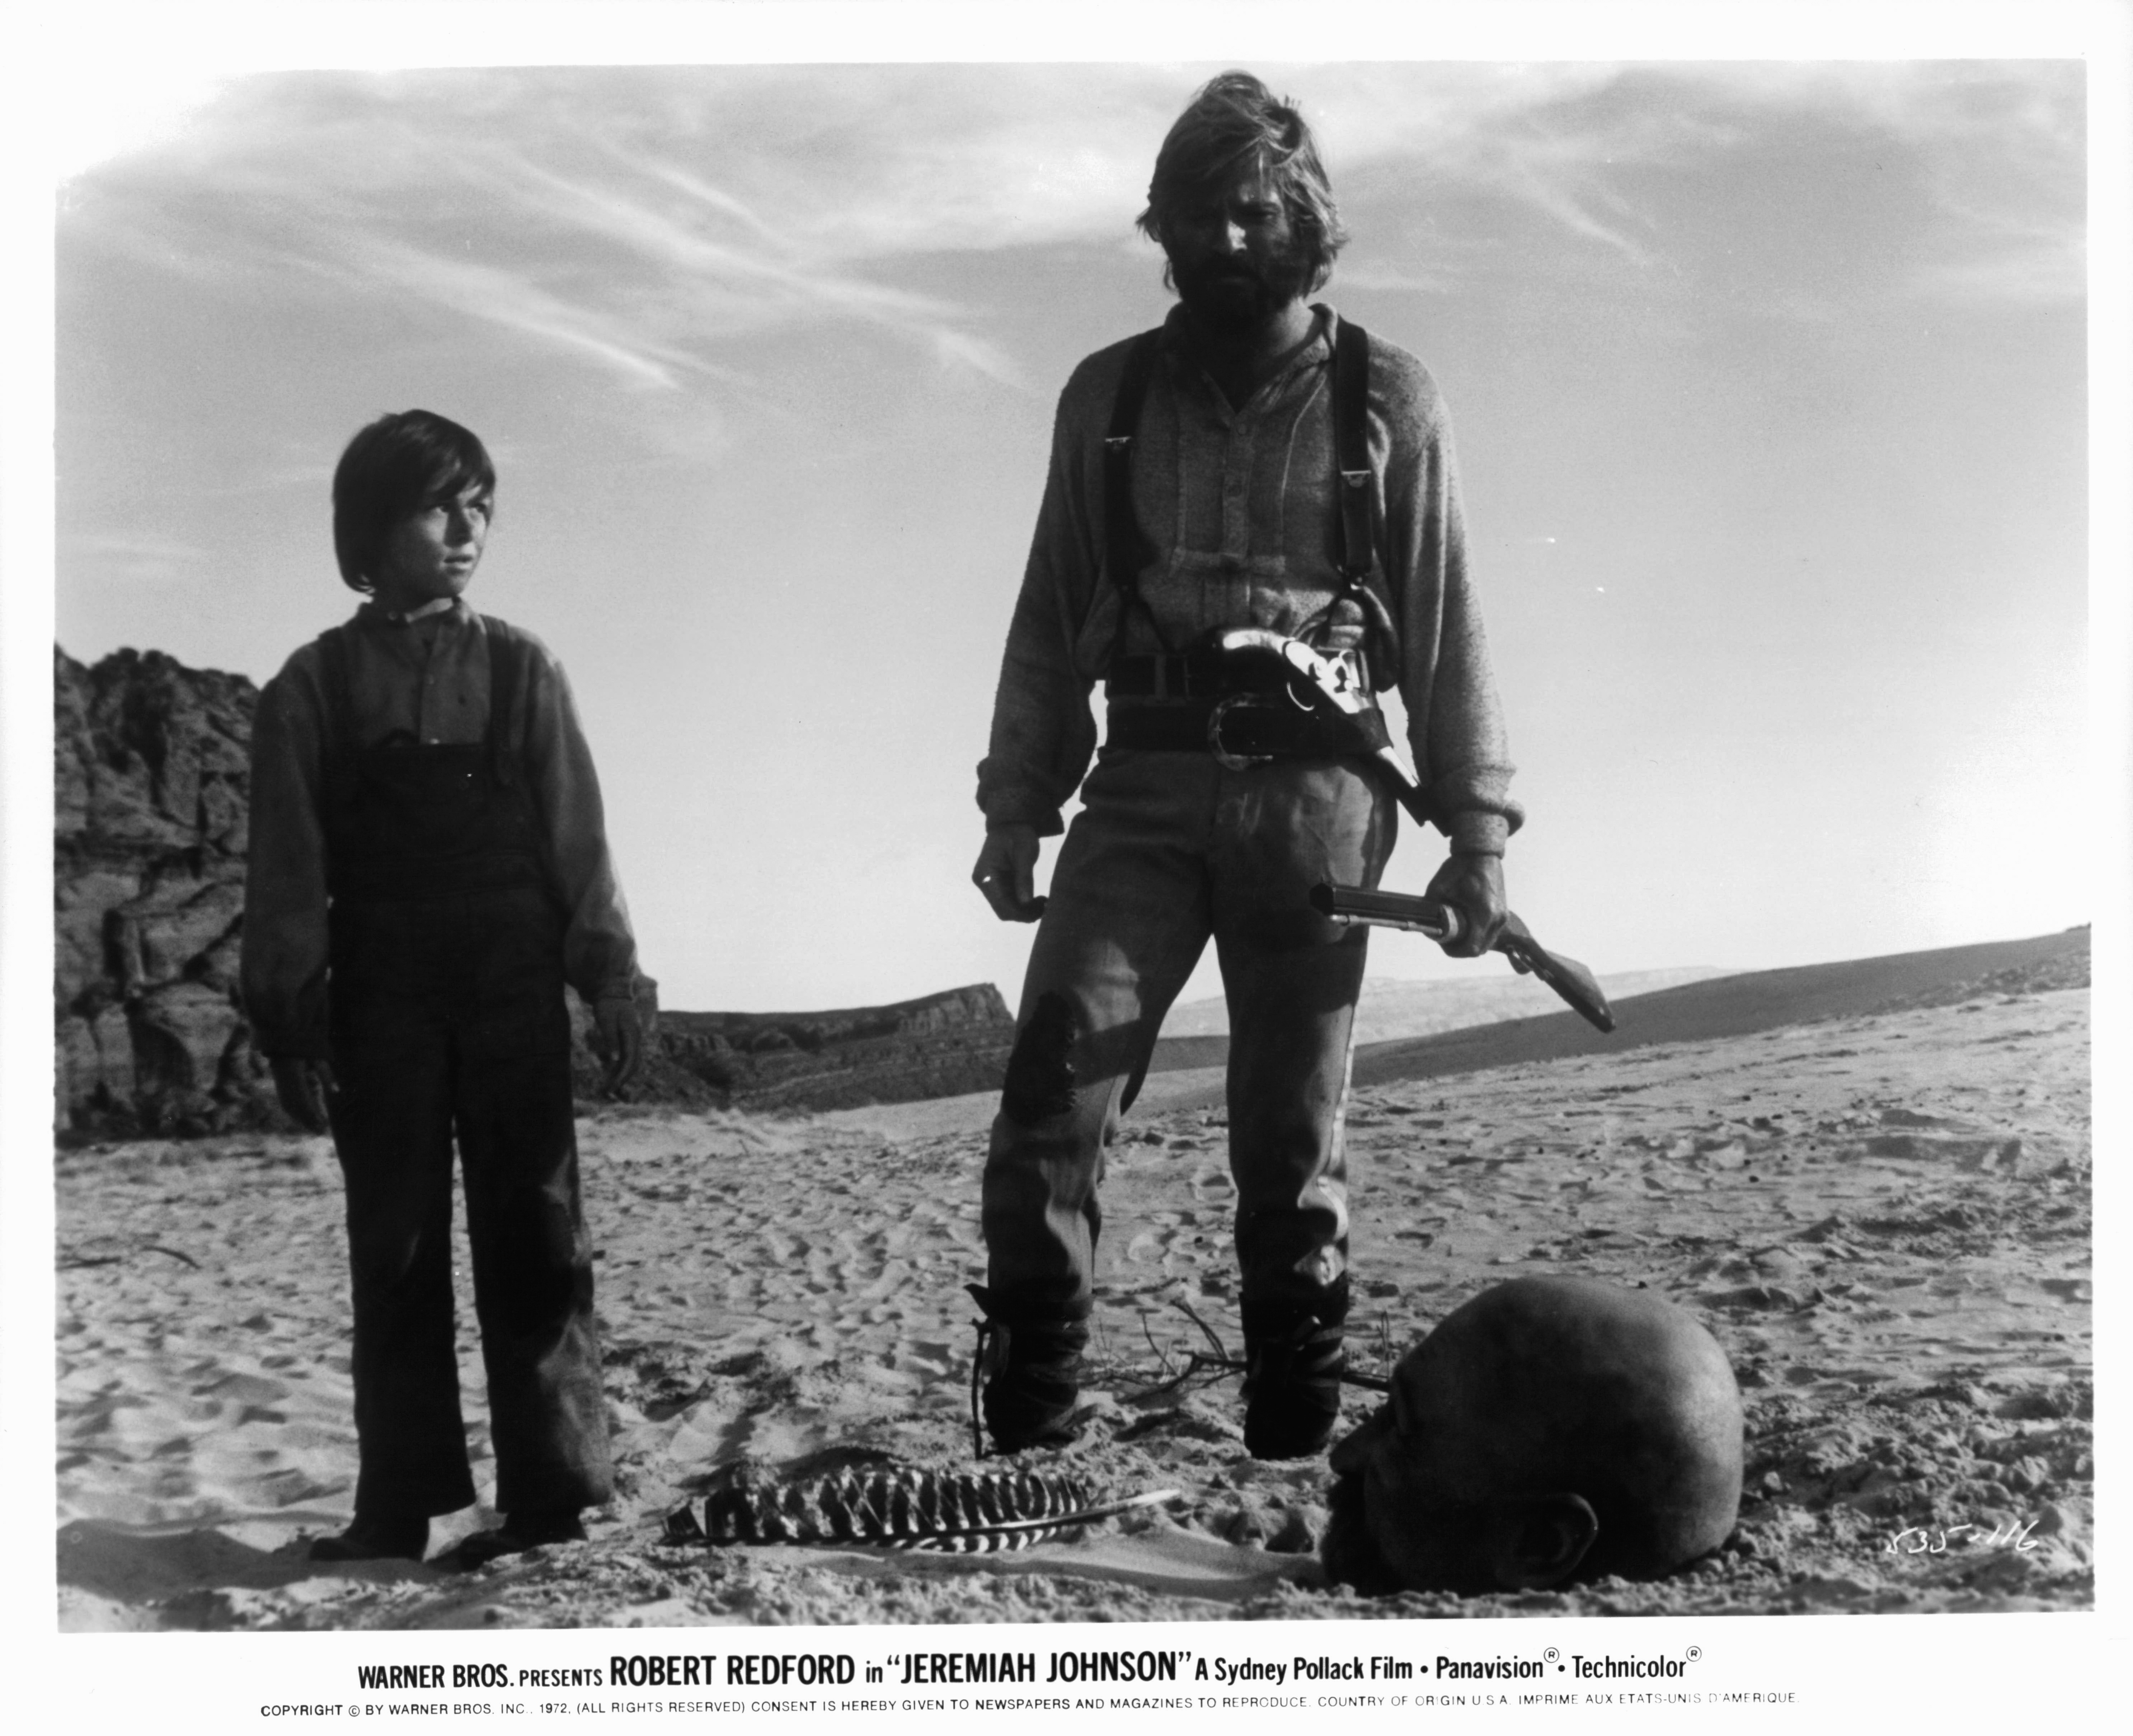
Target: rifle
1442,922
1318,683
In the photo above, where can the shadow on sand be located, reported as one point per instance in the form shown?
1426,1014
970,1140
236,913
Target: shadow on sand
185,1571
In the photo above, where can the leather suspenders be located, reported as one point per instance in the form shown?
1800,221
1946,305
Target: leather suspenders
1359,541
1126,550
1351,451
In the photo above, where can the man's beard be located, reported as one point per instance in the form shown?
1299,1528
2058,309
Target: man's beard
1234,297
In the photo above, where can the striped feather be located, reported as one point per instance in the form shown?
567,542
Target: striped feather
902,1506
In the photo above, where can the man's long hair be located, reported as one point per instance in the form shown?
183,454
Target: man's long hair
395,467
1236,122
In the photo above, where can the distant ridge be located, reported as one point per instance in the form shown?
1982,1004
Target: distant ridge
1486,995
1737,1005
941,1045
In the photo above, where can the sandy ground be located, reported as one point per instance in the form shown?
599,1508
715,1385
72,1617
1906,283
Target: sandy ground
1886,1220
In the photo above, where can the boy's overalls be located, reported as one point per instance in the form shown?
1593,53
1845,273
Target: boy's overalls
448,1022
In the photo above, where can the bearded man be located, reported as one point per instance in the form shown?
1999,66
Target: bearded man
1256,462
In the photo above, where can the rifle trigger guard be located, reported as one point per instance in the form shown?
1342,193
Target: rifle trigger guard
1227,760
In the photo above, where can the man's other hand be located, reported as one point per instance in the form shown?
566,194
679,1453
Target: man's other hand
1006,873
618,1040
305,1087
1475,885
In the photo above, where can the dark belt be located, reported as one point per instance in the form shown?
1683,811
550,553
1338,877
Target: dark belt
1242,727
1180,675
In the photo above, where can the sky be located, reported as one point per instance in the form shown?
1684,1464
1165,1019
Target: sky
1769,380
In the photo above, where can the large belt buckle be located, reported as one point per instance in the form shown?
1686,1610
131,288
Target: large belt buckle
1223,758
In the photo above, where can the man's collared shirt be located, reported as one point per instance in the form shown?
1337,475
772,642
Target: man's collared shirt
1240,504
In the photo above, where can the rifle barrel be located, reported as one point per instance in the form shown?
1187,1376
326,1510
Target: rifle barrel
1425,916
1442,923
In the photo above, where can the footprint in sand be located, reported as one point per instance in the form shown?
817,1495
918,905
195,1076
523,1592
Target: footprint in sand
1209,1184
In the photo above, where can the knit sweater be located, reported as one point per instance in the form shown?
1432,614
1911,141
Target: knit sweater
1240,506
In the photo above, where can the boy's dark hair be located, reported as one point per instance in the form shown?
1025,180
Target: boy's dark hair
1234,120
391,470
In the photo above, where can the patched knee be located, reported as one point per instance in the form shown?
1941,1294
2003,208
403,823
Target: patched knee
1040,1072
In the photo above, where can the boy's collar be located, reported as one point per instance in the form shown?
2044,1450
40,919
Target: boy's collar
435,606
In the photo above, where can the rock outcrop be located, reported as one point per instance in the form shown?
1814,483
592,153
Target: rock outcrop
150,799
148,840
938,1045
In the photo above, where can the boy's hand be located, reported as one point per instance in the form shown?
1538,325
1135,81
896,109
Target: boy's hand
1006,873
618,1040
305,1086
1474,884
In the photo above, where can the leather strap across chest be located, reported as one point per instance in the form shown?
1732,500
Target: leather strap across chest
1127,550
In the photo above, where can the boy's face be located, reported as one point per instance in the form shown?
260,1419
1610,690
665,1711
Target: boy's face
432,554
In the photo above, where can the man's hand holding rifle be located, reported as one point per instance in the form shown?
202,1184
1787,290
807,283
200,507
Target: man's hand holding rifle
1464,910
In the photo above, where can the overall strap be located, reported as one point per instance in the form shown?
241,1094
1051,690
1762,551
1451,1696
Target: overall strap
1124,548
507,666
1351,448
339,713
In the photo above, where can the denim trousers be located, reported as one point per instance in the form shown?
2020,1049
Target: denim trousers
448,1027
1169,849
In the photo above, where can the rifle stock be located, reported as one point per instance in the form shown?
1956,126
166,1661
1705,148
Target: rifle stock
1441,922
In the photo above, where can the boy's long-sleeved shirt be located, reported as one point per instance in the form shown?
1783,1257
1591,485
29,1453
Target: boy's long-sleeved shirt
429,676
1241,507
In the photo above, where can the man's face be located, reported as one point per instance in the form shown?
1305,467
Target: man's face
432,554
1233,254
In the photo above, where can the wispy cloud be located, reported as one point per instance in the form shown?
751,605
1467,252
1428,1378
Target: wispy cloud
130,558
517,304
553,210
1996,148
651,223
1999,148
2041,269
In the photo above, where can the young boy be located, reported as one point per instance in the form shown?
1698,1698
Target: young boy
428,867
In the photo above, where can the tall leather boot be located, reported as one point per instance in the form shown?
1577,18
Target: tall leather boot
1293,1357
1031,1372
